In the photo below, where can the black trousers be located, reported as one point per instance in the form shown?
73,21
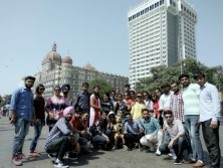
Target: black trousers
211,138
60,146
130,139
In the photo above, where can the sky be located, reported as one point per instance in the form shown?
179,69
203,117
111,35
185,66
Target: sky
90,31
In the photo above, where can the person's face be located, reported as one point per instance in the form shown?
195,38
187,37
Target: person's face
113,94
77,115
129,118
68,117
146,114
119,97
57,91
85,88
200,80
86,117
96,90
127,89
174,87
127,96
41,90
185,81
166,90
139,98
29,83
145,95
157,93
103,116
169,118
105,97
65,90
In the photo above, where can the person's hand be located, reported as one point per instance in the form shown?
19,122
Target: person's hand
214,124
151,138
170,146
82,132
12,120
34,121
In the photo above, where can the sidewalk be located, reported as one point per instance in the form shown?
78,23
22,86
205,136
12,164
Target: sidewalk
97,159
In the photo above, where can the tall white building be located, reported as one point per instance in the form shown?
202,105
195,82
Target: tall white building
161,32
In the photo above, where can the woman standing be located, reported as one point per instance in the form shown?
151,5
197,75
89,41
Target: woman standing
39,107
54,107
95,106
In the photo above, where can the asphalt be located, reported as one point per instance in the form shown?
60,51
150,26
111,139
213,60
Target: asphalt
97,159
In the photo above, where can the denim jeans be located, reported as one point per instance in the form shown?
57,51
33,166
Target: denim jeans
193,127
37,132
179,146
21,130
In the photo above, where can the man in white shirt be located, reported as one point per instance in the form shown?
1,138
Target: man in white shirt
209,118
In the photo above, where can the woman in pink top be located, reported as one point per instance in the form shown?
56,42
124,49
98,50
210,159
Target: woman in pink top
54,107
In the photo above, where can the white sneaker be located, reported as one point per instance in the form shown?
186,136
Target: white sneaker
173,154
52,157
158,153
60,165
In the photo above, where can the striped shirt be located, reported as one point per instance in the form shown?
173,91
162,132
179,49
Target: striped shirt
191,99
176,105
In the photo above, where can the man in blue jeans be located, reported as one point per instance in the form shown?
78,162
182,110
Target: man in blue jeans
21,115
191,104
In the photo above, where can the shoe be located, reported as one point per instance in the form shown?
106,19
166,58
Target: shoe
60,165
17,161
173,155
199,163
71,155
21,156
189,161
178,162
158,153
37,152
52,157
33,154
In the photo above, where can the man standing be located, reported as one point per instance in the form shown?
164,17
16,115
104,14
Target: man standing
83,100
21,115
191,116
209,118
176,102
65,93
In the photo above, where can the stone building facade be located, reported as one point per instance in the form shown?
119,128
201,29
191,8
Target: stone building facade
58,71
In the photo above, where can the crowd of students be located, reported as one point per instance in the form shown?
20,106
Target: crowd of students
165,121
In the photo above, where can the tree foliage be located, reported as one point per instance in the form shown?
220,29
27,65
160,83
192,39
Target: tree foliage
162,74
102,83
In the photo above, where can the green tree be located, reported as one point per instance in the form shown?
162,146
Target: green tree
162,74
102,83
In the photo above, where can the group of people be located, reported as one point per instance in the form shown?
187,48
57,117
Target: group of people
165,121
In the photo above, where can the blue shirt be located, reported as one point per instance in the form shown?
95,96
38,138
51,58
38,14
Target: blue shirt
22,103
132,127
151,126
209,103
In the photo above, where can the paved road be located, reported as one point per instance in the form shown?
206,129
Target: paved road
101,159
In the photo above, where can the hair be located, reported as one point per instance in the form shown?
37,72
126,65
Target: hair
168,112
176,82
85,84
30,77
65,86
127,85
183,75
165,86
57,86
38,87
198,75
145,109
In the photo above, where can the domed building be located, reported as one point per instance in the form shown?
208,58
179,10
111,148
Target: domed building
57,70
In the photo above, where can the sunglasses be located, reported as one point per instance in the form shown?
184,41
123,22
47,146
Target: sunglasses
42,89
